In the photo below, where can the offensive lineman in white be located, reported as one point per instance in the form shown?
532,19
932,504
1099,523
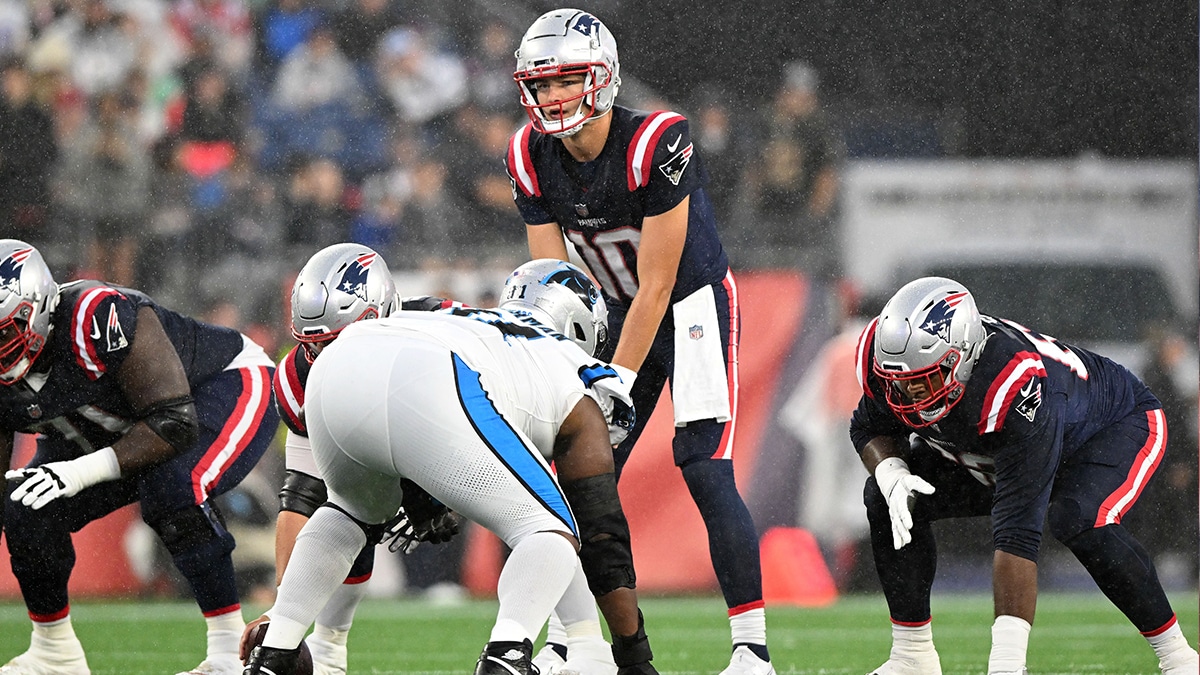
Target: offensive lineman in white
470,405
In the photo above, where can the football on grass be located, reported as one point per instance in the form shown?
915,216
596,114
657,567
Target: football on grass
304,664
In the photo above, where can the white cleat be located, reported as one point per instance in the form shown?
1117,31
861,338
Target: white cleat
49,656
32,664
923,663
217,666
1179,662
547,661
745,662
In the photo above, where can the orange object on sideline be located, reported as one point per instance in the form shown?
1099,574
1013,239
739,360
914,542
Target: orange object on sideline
794,571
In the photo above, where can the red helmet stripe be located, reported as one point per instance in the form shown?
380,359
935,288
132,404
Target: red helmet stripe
641,148
520,164
862,357
1023,367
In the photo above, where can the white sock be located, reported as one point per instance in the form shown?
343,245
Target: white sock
910,639
1010,643
575,613
328,648
534,578
55,641
338,613
1168,642
225,635
60,629
555,631
749,627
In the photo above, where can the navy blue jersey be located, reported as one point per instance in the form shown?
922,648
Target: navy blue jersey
291,376
91,333
1031,404
647,167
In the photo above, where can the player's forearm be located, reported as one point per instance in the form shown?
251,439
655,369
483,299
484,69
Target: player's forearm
879,449
645,315
1014,586
287,526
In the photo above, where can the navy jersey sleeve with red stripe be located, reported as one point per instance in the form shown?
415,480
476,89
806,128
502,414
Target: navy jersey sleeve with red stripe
291,376
102,326
662,162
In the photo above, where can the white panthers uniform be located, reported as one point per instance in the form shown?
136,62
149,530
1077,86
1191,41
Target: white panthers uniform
465,402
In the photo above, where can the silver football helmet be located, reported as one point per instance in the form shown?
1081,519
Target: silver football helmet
559,296
339,285
927,341
567,42
28,296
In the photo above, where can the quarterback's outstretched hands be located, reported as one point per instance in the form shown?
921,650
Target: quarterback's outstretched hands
898,486
43,484
613,396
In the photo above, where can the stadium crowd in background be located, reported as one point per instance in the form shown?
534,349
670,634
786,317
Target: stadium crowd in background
202,149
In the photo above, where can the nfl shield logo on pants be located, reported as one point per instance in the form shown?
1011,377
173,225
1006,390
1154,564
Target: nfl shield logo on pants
696,332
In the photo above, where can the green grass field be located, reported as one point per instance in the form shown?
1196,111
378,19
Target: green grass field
1073,634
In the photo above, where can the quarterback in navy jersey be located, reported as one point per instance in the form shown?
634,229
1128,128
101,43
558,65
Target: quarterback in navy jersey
131,403
626,189
969,415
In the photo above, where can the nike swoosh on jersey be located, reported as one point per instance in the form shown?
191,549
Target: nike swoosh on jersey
95,329
1028,388
672,146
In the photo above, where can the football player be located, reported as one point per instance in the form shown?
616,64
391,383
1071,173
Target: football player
626,188
471,405
337,286
964,414
132,402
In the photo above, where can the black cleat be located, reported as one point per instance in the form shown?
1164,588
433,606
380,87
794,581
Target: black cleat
507,658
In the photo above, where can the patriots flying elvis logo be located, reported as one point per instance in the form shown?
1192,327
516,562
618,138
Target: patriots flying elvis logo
354,279
587,24
10,270
937,321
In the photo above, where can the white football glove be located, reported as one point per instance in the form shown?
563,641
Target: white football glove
898,485
45,483
613,396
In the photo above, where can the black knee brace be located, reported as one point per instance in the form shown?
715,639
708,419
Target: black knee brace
187,528
301,493
604,547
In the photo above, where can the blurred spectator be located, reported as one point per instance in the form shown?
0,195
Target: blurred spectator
816,415
434,222
224,27
111,169
1165,517
317,216
212,112
280,27
792,184
490,68
90,45
422,85
15,22
714,133
476,160
360,26
165,263
28,152
316,73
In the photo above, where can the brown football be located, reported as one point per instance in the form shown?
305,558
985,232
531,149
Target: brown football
304,664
